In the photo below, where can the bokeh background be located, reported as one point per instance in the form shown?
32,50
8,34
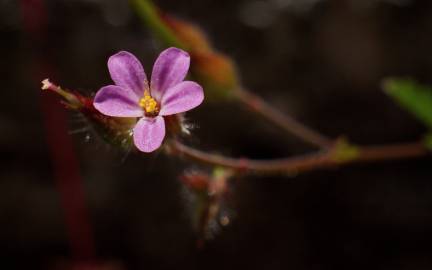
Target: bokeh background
319,60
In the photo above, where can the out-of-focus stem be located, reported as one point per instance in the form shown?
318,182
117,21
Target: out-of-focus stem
148,12
284,121
69,183
309,162
391,152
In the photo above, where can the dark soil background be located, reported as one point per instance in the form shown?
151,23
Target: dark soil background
321,61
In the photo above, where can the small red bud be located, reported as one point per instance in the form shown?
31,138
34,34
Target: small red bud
189,34
195,181
215,71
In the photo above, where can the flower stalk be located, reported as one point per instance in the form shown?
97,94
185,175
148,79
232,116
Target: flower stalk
259,106
328,158
217,72
339,153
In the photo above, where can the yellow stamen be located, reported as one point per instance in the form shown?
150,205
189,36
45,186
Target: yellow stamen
149,104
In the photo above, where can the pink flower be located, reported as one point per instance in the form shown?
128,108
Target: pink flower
132,96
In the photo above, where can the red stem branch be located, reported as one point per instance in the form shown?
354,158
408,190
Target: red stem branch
286,122
69,183
314,161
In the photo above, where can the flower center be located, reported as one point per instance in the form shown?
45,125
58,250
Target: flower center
149,104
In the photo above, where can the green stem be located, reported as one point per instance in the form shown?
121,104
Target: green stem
148,12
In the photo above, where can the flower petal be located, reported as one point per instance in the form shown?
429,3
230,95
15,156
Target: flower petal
114,100
182,97
149,133
126,71
169,69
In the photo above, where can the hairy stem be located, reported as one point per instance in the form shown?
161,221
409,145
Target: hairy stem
319,160
286,122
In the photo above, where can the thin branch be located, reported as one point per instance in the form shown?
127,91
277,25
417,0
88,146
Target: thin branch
293,165
286,122
392,152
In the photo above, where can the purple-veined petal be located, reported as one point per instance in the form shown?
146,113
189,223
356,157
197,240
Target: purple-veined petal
182,97
169,69
149,133
127,72
116,101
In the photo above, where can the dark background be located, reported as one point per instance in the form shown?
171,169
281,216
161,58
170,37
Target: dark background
321,61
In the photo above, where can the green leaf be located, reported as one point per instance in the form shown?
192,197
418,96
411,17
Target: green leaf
427,140
412,96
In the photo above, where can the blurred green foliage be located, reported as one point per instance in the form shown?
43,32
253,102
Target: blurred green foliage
428,141
412,96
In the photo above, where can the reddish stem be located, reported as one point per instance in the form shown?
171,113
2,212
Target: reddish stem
66,168
314,161
286,122
68,179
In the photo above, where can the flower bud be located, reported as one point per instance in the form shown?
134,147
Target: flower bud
215,71
207,194
189,34
195,181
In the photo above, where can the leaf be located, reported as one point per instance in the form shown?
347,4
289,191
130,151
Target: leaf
412,96
427,140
